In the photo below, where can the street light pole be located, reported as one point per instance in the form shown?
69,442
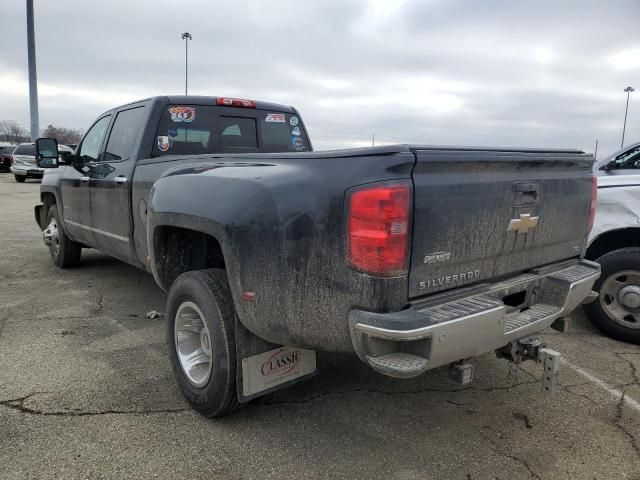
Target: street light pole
186,36
33,79
624,126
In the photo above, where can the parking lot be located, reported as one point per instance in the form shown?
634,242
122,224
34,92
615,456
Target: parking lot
86,391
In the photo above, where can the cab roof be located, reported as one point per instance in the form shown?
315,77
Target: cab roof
202,100
207,100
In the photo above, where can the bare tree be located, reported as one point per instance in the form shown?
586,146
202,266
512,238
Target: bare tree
11,131
63,135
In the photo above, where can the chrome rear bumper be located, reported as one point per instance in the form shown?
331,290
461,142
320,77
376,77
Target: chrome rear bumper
430,334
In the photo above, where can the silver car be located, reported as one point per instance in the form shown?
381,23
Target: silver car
614,242
23,164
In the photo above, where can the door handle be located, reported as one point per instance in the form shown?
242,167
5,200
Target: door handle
84,179
121,180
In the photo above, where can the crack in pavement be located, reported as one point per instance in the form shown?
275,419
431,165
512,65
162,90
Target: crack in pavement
634,369
618,417
497,449
18,404
70,317
370,391
99,301
567,388
621,427
3,322
20,269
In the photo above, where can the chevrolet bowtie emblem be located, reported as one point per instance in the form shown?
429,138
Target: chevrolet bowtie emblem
522,224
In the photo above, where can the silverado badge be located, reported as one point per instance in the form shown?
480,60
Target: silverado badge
522,224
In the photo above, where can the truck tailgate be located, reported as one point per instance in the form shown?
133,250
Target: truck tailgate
481,214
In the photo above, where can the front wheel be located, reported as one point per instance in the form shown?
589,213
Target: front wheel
20,178
201,341
64,252
616,311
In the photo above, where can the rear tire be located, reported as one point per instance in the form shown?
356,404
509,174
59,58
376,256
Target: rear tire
616,311
65,253
20,178
201,328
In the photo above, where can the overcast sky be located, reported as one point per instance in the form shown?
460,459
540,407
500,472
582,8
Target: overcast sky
537,73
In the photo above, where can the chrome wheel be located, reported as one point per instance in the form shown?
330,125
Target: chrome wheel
51,237
620,298
193,344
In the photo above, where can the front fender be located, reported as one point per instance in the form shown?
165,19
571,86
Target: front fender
50,185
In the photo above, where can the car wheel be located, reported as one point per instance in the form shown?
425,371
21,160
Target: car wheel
616,311
20,178
201,341
65,253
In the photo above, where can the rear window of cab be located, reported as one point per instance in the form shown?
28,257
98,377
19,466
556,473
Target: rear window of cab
203,129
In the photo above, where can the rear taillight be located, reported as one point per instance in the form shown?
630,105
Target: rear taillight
235,102
378,229
594,201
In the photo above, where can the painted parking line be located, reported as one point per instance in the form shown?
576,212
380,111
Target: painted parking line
612,391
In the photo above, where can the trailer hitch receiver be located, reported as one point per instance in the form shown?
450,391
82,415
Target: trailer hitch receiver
531,348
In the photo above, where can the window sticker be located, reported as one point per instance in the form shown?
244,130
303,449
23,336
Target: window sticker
275,117
293,121
295,131
172,132
297,142
163,143
182,114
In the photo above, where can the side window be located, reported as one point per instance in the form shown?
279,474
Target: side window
90,148
124,135
628,160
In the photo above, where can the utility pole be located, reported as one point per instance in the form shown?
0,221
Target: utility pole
624,126
186,36
595,153
33,78
373,138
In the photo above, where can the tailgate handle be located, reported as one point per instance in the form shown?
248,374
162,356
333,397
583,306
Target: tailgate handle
525,193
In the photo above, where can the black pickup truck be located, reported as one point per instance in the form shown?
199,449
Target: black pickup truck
413,257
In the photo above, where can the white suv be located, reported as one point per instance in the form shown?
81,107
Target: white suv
24,166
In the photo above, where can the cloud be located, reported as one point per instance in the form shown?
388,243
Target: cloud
543,73
628,59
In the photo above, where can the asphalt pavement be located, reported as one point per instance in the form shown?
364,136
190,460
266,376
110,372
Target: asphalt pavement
86,391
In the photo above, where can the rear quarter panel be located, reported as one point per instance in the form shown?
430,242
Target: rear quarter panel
279,219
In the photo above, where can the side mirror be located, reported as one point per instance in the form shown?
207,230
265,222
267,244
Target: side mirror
608,166
65,158
47,153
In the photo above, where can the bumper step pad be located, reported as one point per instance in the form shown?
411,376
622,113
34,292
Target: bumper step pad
399,364
460,308
533,314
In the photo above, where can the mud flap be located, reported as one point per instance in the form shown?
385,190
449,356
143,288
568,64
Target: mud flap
39,213
264,367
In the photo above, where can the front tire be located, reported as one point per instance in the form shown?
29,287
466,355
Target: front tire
64,252
616,311
20,178
201,341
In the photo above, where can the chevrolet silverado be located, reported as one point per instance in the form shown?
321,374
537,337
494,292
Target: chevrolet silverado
413,257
